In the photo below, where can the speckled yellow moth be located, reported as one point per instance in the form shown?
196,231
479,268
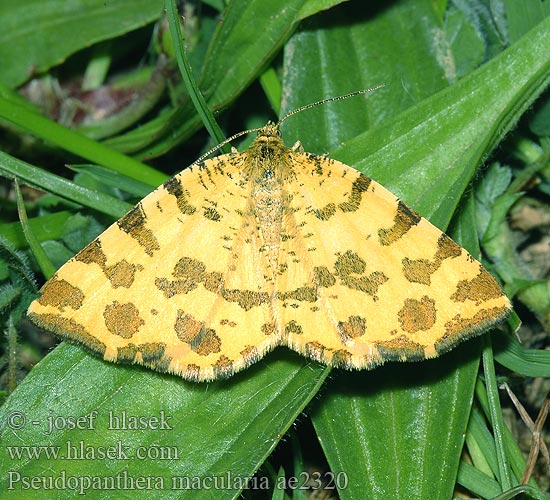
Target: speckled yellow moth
248,251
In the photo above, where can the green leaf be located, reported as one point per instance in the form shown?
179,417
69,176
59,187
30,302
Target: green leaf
237,53
493,185
45,265
114,179
410,416
57,252
46,227
523,15
462,123
187,75
210,427
76,143
528,362
540,121
26,25
343,39
246,39
464,44
514,455
11,167
477,482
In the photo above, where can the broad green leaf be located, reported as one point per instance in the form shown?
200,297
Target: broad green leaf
237,52
441,141
523,15
39,34
350,49
397,432
224,429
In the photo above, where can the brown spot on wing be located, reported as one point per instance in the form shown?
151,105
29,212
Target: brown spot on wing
447,248
341,359
349,263
323,277
366,284
188,268
151,354
292,327
302,294
190,273
326,212
212,214
60,294
315,350
458,327
152,351
122,273
201,339
92,254
479,289
192,372
213,282
177,287
268,329
223,367
176,189
420,270
193,272
134,224
127,353
400,348
405,218
417,315
250,354
354,327
247,299
359,186
122,319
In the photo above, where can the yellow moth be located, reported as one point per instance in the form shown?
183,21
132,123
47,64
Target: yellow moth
248,251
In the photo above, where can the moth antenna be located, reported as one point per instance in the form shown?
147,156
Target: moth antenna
228,140
288,115
328,99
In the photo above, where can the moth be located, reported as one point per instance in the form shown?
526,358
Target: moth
269,247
